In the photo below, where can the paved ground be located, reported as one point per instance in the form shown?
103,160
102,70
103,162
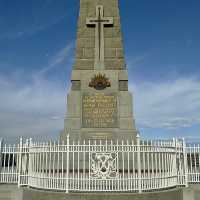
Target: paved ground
11,192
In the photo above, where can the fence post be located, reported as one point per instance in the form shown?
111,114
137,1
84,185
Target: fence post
67,167
20,161
1,155
174,164
30,162
139,164
185,162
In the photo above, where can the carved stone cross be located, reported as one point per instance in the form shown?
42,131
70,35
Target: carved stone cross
99,22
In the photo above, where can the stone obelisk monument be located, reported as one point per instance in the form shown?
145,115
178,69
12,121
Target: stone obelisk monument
99,105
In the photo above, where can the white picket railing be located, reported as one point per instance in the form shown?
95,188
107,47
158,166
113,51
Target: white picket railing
100,165
193,158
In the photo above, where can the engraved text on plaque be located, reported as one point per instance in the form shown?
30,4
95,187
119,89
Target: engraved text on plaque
99,111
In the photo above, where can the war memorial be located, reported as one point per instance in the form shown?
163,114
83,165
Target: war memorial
99,154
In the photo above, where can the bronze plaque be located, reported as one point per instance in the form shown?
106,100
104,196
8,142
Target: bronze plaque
99,111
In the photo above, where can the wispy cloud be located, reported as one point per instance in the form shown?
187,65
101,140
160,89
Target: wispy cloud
169,105
137,59
31,29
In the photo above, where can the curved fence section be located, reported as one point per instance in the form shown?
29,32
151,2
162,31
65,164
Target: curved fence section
95,166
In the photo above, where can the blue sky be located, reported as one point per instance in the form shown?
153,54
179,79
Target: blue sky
162,47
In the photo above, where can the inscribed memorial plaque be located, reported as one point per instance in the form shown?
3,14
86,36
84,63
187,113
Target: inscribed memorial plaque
99,111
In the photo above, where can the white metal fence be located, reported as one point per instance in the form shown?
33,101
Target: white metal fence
100,165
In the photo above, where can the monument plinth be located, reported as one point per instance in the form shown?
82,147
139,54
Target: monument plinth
99,105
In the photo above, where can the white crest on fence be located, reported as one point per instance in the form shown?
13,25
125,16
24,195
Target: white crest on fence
103,165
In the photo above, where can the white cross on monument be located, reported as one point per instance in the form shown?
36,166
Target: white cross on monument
99,22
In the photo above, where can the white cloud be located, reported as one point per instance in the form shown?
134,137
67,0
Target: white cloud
31,29
133,60
31,110
173,104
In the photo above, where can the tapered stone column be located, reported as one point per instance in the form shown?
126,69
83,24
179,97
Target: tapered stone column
99,105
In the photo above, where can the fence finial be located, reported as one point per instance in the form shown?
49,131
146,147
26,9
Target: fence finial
185,162
67,138
139,163
67,167
1,144
138,135
20,161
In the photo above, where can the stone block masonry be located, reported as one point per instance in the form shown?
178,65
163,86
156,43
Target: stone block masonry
85,45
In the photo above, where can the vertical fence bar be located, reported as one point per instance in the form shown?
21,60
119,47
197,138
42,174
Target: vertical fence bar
67,167
198,161
43,166
148,166
89,152
185,162
128,152
26,163
118,166
174,167
58,165
78,164
195,162
20,161
133,166
1,155
84,168
123,178
4,163
143,164
62,164
13,161
139,164
39,163
50,164
46,164
9,175
54,163
179,162
30,166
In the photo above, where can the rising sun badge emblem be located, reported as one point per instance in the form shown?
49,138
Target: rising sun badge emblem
99,82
